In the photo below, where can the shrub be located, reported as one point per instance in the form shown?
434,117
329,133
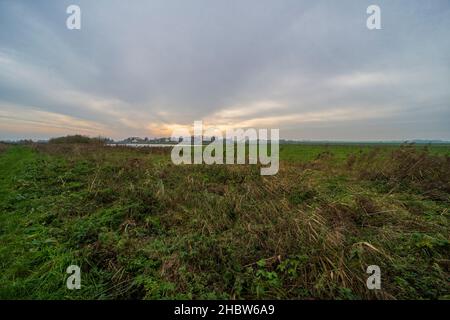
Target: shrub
76,139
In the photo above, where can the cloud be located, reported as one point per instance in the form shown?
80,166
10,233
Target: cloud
250,109
28,119
307,68
359,79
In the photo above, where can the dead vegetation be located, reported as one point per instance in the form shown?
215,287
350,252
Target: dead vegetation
149,229
3,147
406,167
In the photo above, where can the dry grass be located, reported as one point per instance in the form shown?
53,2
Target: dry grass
144,228
3,147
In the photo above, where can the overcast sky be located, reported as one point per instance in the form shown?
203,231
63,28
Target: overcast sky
142,68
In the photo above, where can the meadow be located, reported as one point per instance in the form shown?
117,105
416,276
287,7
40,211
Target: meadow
142,228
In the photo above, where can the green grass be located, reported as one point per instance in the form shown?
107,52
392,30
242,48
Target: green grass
141,228
308,152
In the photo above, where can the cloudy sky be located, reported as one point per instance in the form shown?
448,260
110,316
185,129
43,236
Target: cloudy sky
142,68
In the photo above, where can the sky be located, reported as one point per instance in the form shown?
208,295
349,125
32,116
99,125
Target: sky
144,68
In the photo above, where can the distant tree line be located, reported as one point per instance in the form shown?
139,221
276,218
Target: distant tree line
79,139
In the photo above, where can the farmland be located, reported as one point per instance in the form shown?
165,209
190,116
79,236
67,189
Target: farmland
142,228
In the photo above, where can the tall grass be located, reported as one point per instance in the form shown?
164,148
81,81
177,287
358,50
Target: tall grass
141,227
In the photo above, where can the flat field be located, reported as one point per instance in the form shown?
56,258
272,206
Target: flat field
142,228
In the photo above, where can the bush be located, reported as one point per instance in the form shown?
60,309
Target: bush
409,168
76,139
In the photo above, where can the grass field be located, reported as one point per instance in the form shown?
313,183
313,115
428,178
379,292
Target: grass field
142,228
